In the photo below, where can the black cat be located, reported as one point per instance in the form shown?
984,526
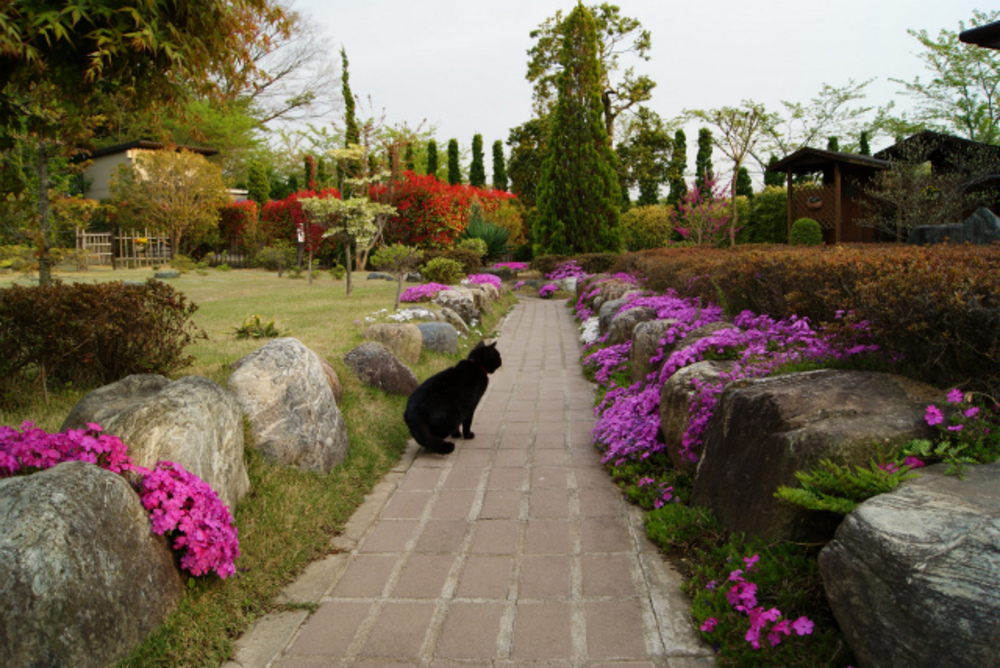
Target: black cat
447,400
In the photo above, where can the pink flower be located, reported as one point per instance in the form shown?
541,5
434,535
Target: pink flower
750,561
802,626
913,462
709,625
645,481
933,415
955,396
971,412
954,427
710,585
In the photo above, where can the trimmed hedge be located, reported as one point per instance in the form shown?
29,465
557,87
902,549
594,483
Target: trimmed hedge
937,307
91,334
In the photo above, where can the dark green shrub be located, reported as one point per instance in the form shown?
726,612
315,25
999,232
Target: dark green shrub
596,263
806,232
494,236
443,270
767,218
546,264
277,257
92,334
470,260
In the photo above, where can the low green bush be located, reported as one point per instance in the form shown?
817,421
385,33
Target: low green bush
806,232
182,263
277,257
596,263
443,270
546,264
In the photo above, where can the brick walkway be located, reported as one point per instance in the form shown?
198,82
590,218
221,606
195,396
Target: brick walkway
516,549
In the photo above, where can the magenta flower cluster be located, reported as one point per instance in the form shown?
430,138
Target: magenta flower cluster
179,502
513,266
742,596
567,269
547,290
489,279
422,292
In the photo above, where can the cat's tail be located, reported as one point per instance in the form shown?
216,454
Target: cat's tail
422,435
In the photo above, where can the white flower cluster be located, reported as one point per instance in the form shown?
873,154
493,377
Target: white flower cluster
589,330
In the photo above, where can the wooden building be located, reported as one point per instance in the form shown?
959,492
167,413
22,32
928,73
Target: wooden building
834,200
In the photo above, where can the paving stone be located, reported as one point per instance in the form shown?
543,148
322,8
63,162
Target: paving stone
399,630
470,631
611,627
545,577
365,577
542,631
330,629
423,576
607,575
444,536
495,537
389,536
501,504
548,537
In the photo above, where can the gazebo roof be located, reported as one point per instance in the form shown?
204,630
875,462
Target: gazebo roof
808,160
987,35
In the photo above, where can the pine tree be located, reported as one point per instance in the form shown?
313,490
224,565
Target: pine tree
409,160
432,158
258,185
833,144
744,185
454,171
863,147
773,178
703,161
678,165
499,168
477,170
578,192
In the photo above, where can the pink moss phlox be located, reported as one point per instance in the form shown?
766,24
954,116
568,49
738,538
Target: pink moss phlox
547,290
514,266
608,360
182,503
33,449
568,269
416,293
488,279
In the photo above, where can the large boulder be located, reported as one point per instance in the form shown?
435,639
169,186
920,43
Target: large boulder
461,302
982,227
611,290
402,338
623,324
286,395
376,366
455,320
645,342
607,312
675,403
912,575
191,421
765,430
439,337
333,379
84,580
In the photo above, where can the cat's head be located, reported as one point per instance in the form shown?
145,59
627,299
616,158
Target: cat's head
487,356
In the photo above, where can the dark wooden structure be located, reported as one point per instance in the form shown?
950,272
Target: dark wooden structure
987,36
835,202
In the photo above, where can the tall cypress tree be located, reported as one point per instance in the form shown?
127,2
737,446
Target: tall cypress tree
773,178
578,192
258,185
409,160
863,147
432,158
744,185
833,144
477,170
499,167
352,133
703,161
454,171
678,165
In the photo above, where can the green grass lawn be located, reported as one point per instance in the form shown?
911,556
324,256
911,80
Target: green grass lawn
289,517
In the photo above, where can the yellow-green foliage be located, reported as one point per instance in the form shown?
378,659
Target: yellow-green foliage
806,232
839,489
443,270
645,227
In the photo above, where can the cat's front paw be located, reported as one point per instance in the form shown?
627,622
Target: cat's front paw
469,436
457,433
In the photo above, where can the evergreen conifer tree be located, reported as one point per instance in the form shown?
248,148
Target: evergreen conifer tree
499,167
320,173
352,133
678,165
432,157
773,178
833,144
863,147
409,160
744,185
578,195
454,171
477,170
258,185
703,161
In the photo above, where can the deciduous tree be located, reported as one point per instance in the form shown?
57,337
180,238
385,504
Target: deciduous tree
578,191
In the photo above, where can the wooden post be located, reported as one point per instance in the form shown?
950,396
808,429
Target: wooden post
114,236
837,212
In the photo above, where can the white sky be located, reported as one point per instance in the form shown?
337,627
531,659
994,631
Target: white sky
460,64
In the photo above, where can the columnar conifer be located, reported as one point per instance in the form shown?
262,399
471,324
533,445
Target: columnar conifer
703,161
578,193
499,167
454,171
678,165
432,158
477,170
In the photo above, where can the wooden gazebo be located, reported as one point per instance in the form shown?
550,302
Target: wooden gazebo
835,202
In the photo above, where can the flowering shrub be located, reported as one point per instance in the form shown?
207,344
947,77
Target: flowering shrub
422,292
178,501
183,503
484,278
282,219
568,269
968,435
234,219
513,266
547,290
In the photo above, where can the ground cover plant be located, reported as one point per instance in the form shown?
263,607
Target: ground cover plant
756,603
283,502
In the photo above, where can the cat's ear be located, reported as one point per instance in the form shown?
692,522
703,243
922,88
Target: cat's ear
492,345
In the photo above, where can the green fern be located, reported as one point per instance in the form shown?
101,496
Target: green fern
838,489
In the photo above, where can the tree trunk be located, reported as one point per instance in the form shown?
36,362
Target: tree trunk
732,203
44,259
310,267
347,261
399,290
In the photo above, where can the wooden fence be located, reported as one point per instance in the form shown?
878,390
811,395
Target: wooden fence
126,249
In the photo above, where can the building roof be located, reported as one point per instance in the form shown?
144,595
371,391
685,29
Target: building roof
939,148
148,145
987,36
808,160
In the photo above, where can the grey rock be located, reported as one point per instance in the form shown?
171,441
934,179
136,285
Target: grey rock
675,402
623,324
645,342
166,274
420,314
455,320
611,290
461,302
376,366
84,579
567,284
287,398
439,337
607,312
333,379
912,575
402,338
191,421
982,227
765,430
380,276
